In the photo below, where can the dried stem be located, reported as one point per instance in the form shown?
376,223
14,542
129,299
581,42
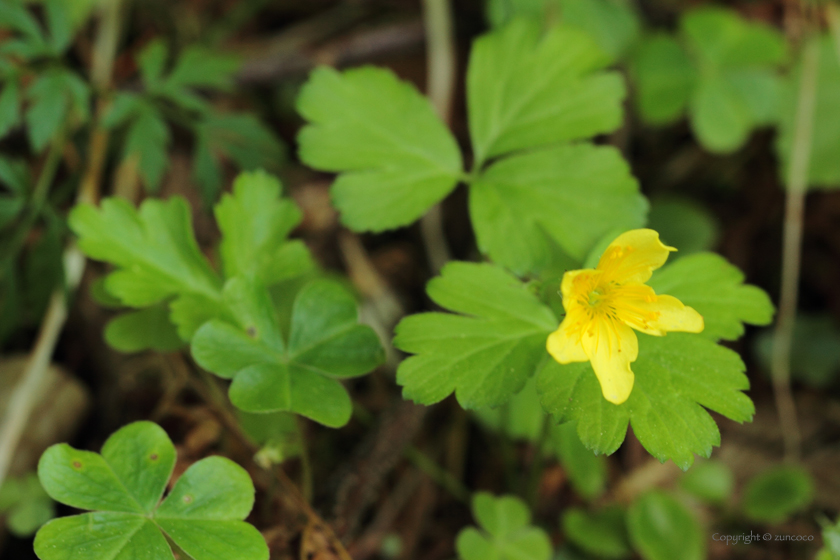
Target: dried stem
440,45
797,183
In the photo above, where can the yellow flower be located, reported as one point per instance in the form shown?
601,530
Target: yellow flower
604,305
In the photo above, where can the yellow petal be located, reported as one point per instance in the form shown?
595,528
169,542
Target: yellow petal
564,344
611,347
633,256
671,315
577,285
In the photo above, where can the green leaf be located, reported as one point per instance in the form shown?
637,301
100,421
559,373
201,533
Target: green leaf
521,418
719,116
824,167
200,67
525,90
761,91
711,481
202,514
600,533
612,23
255,224
676,376
683,223
123,106
500,12
148,141
506,532
9,106
54,97
396,158
586,470
484,355
60,25
664,77
777,493
661,528
240,137
575,194
815,355
154,248
712,286
152,62
25,505
149,328
325,343
721,38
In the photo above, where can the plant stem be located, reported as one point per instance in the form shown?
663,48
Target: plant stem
440,82
797,183
437,473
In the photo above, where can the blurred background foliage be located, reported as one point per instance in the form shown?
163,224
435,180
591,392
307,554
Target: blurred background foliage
196,90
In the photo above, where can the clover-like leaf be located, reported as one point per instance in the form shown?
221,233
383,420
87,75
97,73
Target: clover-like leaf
715,288
123,486
665,78
506,532
676,377
575,194
601,533
325,343
777,493
526,90
255,223
485,354
395,156
661,528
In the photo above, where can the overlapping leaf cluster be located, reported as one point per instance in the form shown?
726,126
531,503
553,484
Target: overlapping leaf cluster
230,318
720,68
533,99
495,340
172,94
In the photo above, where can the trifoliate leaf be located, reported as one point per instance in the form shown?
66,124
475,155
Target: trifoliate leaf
612,23
506,532
721,38
777,493
202,514
683,223
676,376
824,167
712,286
525,90
665,78
395,156
711,481
574,193
720,118
325,343
661,528
148,141
486,354
600,533
255,224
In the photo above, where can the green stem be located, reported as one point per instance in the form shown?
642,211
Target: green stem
797,183
437,473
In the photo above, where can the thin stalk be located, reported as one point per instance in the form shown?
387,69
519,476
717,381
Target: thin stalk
440,85
441,476
797,183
